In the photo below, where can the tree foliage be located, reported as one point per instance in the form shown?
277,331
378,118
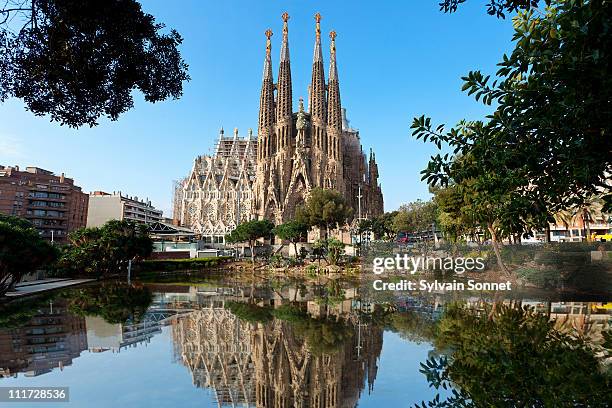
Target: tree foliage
497,8
522,361
250,232
79,60
335,249
106,250
381,226
292,231
324,209
416,216
547,144
452,219
22,250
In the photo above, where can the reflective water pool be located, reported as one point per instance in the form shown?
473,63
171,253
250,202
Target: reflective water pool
297,344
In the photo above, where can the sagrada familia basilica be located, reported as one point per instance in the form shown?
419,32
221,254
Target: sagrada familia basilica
294,152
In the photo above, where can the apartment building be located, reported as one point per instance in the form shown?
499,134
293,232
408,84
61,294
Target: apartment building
104,207
54,204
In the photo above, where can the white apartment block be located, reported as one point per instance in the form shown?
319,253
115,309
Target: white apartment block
104,207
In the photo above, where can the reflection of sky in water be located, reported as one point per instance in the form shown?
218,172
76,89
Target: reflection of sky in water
399,382
146,376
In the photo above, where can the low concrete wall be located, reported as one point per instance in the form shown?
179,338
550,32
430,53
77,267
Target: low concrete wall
171,255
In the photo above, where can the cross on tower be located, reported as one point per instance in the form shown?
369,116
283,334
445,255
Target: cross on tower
317,17
268,33
285,16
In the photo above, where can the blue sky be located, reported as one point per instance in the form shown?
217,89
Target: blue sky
396,60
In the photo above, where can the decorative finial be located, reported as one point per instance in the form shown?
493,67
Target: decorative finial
332,45
285,16
318,26
268,42
301,104
332,35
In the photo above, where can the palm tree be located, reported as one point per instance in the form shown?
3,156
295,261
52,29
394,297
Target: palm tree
591,209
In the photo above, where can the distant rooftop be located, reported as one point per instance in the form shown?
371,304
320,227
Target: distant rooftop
8,170
99,193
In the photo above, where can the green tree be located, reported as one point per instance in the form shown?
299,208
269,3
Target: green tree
22,250
452,220
250,232
324,209
107,249
292,231
319,249
335,248
382,226
79,60
522,361
550,129
416,216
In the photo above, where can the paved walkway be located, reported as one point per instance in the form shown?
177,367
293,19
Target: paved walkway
29,288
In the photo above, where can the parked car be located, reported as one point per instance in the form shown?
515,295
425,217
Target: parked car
605,237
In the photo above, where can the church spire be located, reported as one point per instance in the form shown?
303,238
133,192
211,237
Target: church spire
334,109
317,103
284,108
266,101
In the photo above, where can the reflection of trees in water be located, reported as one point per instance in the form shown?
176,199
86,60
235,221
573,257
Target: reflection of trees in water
511,356
290,360
116,302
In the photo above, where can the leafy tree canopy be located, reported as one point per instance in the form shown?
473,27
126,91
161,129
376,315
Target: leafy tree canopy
324,209
22,250
546,146
497,8
382,226
250,232
292,231
416,216
107,249
79,60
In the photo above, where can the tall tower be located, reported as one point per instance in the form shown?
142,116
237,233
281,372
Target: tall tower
318,110
334,123
284,98
266,106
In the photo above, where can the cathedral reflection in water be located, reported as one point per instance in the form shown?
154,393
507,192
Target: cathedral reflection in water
272,363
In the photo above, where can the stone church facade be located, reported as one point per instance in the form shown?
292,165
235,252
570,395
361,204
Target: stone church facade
217,194
298,151
294,152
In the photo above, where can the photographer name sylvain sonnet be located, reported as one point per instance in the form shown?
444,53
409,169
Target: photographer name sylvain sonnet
437,286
